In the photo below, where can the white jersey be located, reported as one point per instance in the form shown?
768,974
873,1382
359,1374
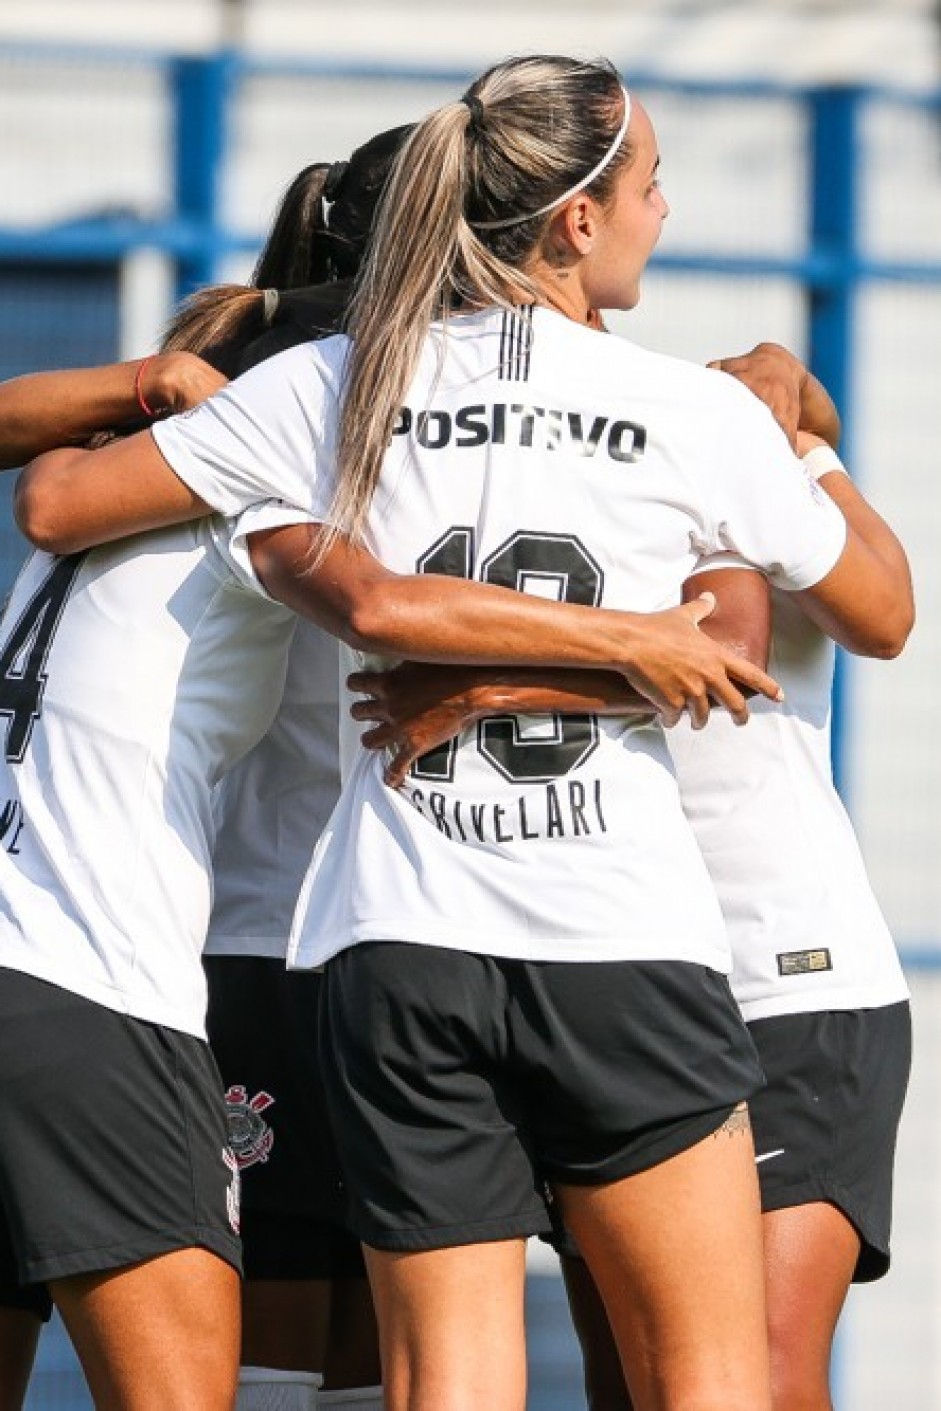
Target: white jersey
273,805
543,455
131,678
805,928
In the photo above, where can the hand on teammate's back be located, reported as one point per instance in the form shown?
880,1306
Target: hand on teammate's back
797,400
679,668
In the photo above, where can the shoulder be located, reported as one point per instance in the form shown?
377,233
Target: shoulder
295,372
610,357
703,387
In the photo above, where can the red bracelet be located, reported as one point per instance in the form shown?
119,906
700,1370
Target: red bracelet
138,391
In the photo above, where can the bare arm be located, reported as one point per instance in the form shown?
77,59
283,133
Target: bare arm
741,620
866,602
417,707
45,410
438,619
69,500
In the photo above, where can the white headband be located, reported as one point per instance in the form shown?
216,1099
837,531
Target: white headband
573,190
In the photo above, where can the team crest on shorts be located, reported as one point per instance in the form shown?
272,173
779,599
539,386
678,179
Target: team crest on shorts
233,1194
250,1136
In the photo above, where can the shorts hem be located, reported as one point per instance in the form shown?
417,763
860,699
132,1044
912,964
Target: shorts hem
450,1236
874,1255
679,1138
101,1259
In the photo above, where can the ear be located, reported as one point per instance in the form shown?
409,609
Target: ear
577,221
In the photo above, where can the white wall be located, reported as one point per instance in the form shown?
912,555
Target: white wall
882,40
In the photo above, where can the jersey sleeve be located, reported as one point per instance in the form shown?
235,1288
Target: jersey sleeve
232,535
270,434
762,504
710,562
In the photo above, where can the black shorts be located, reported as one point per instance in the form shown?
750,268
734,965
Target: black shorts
114,1146
29,1298
825,1125
459,1084
263,1028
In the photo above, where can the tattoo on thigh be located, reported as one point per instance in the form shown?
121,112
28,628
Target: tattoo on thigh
737,1121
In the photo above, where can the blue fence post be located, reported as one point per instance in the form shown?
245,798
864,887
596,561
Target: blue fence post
834,211
201,92
834,202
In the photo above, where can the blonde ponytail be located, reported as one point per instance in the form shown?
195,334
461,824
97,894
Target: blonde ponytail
526,132
216,322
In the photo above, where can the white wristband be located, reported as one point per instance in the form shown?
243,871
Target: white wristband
821,460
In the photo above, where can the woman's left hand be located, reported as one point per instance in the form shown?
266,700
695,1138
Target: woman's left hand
416,707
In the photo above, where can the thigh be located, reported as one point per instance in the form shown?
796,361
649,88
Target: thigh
353,1346
811,1252
827,1120
285,1323
312,1325
423,1101
605,1385
451,1327
676,1254
162,1335
114,1143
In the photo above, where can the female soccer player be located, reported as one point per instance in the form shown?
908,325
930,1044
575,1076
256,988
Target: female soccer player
530,909
814,971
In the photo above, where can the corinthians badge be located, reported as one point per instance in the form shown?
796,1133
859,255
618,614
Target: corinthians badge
250,1136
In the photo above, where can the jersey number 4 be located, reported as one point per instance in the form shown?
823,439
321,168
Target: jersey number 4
24,653
556,566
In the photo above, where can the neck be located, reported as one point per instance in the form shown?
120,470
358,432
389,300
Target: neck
561,289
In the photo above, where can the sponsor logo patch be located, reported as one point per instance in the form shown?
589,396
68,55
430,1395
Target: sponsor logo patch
804,962
250,1136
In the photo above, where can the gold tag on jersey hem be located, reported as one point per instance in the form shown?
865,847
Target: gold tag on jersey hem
804,962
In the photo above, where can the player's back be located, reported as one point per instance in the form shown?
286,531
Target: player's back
131,677
535,454
805,928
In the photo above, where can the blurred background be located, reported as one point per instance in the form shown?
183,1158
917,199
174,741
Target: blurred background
144,145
